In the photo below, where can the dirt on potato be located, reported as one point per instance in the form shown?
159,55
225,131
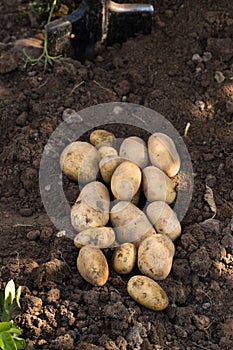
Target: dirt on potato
183,70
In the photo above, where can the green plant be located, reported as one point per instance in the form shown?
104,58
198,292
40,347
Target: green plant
9,310
45,54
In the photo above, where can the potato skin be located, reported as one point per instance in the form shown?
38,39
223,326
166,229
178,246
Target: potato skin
134,149
101,137
106,151
164,219
157,186
80,162
130,223
155,256
124,258
163,153
98,237
125,181
147,293
91,208
92,265
108,165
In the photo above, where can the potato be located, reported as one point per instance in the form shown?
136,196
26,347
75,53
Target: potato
100,138
163,153
91,208
157,186
164,219
155,255
108,165
130,223
98,237
136,198
124,258
125,181
106,151
147,292
92,265
134,149
80,162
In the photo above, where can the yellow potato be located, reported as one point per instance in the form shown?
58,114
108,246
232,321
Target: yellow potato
106,151
134,149
164,219
91,209
125,181
92,265
100,138
80,162
157,186
98,237
130,223
124,258
155,256
163,153
147,293
108,165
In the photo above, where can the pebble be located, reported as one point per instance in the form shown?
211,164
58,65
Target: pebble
196,58
207,56
200,105
33,235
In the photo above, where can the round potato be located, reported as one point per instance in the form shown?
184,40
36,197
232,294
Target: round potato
147,293
130,223
125,181
91,209
92,265
155,256
164,219
98,237
124,258
106,151
163,153
108,165
100,138
157,186
134,149
80,162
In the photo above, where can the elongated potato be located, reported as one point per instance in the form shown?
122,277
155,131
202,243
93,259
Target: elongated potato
108,165
98,237
101,137
157,186
147,293
125,181
134,149
164,219
130,223
155,256
91,208
80,162
92,265
106,151
124,258
163,153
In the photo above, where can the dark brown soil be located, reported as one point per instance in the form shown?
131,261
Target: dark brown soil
60,309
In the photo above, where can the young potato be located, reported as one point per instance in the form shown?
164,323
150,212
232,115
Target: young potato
163,153
100,138
108,165
147,293
155,256
125,181
97,237
164,219
134,149
157,186
124,258
106,151
130,223
92,265
91,209
80,162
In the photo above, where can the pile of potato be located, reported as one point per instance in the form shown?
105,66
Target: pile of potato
105,214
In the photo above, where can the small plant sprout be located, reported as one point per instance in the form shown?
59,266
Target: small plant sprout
186,130
9,310
45,54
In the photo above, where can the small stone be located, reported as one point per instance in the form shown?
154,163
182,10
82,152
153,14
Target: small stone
207,56
200,105
196,58
219,77
33,235
48,188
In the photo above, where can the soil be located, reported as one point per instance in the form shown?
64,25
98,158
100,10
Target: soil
159,71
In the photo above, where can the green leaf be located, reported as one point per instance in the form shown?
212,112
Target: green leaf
7,342
5,326
20,342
